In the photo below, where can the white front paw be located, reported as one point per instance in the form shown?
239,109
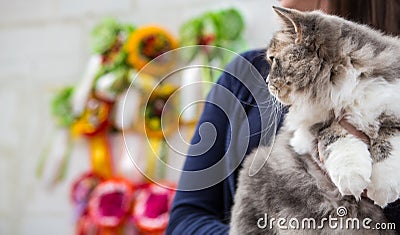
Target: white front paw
302,141
349,165
385,181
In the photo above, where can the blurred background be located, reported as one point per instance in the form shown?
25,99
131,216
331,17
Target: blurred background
44,44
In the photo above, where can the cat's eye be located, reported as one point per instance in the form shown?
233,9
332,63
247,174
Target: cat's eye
271,59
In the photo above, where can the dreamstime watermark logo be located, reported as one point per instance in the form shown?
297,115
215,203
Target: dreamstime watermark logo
223,100
341,221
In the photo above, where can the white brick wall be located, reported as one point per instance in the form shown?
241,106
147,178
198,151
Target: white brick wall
44,44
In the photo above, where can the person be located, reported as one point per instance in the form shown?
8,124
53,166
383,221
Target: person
203,203
380,14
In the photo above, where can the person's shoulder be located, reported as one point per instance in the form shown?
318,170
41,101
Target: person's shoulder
258,59
254,57
244,70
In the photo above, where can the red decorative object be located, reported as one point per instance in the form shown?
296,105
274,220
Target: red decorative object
116,207
81,191
111,202
151,209
85,226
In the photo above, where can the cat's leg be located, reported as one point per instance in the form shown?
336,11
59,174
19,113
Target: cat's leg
385,179
346,159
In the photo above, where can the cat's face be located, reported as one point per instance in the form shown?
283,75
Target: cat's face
293,69
298,56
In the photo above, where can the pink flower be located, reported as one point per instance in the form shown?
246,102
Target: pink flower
110,202
151,208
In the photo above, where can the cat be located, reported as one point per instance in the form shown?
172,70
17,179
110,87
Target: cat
341,135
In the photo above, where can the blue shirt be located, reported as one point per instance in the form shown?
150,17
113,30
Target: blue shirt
237,117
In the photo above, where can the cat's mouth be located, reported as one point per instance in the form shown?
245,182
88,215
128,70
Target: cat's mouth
281,93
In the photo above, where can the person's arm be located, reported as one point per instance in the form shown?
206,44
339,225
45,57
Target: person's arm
201,211
206,211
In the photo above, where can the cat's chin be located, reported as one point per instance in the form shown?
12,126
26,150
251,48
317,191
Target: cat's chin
283,101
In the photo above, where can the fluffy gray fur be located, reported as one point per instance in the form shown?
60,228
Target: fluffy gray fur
324,67
292,186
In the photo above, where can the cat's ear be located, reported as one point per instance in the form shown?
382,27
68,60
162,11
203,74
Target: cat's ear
291,19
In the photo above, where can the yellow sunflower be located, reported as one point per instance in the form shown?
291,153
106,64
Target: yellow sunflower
148,43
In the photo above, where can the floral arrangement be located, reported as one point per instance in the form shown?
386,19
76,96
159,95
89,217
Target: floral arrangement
148,43
215,29
119,74
115,206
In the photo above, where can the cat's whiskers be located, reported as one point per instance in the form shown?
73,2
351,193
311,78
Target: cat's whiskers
271,116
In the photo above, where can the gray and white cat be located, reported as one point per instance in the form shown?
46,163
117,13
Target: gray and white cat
341,81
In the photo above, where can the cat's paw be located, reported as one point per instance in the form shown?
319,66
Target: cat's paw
349,165
302,141
385,181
